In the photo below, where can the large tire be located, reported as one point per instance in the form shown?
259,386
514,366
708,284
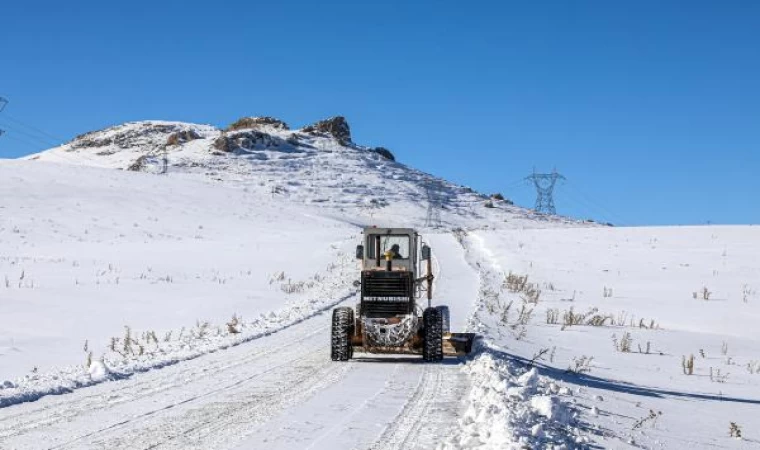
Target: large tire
342,326
432,345
445,317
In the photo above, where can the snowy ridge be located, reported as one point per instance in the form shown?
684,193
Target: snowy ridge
320,167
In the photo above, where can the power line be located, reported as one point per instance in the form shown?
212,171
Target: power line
433,218
33,128
31,136
597,205
544,183
585,210
37,136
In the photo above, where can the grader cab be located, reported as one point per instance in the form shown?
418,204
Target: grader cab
392,316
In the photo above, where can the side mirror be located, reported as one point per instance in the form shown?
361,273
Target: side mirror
359,252
425,252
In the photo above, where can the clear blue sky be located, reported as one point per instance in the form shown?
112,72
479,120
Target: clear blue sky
651,109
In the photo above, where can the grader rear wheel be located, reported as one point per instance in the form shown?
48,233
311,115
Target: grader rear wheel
445,318
342,325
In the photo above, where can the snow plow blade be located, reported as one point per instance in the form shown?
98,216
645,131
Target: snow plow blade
458,344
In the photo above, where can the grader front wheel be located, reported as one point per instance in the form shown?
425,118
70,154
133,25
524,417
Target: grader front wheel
432,346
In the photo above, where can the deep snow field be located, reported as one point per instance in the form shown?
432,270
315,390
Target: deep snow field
651,283
191,310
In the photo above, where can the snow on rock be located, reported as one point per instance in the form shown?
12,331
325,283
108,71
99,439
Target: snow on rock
317,165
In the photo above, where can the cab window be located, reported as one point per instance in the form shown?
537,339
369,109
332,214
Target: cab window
399,244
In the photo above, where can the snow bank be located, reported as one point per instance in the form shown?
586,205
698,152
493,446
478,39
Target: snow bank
512,407
201,340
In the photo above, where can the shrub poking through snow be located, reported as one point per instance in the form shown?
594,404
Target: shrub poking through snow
552,316
530,292
718,377
624,344
232,325
651,419
734,430
581,365
688,365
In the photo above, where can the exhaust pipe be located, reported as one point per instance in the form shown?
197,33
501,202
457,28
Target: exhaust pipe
389,261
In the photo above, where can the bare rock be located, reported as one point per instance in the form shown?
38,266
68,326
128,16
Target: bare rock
335,126
181,137
246,140
384,152
257,122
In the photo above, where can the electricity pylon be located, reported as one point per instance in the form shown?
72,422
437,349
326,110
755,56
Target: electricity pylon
544,183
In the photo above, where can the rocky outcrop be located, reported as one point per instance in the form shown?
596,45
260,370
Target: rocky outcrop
335,126
257,122
181,137
384,152
246,140
128,135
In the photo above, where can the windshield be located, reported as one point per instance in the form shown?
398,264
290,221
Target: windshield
398,244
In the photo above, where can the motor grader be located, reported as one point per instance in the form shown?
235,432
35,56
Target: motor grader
390,317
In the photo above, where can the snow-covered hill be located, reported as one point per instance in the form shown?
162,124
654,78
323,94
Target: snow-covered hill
187,310
317,165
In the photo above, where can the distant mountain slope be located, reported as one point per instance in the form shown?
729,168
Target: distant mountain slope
318,165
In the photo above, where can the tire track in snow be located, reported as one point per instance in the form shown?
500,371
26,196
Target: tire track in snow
54,417
428,416
225,420
68,407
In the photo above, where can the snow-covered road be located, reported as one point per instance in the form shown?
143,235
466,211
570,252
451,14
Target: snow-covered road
281,391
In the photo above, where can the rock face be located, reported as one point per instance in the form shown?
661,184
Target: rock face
124,136
384,152
258,122
246,140
182,137
336,126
